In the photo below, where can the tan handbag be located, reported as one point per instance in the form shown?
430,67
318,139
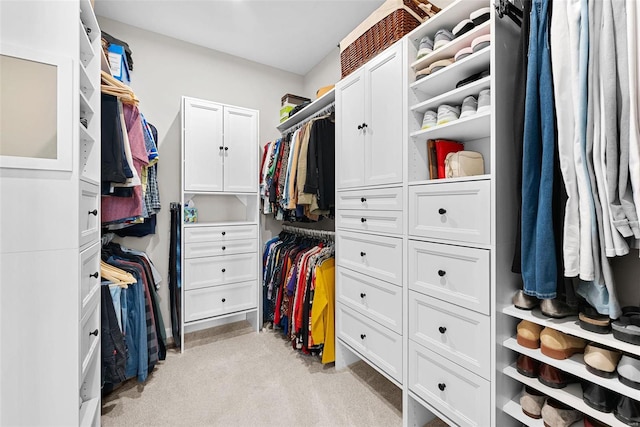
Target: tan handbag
463,163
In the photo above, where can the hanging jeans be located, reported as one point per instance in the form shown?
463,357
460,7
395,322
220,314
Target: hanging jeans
539,265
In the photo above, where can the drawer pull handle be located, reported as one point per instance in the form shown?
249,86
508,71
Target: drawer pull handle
224,233
224,299
442,329
363,219
363,199
442,211
94,333
441,273
363,253
224,247
442,386
224,269
94,275
362,295
362,336
94,212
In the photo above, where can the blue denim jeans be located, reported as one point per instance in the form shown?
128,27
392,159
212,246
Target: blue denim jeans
539,264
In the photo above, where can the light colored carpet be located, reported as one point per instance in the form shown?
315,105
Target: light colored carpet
231,376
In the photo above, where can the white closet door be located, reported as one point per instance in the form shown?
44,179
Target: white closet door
383,134
240,147
203,147
350,143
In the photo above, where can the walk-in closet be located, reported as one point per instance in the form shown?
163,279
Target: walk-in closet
416,213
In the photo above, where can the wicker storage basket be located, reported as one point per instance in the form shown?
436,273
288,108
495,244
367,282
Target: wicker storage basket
379,37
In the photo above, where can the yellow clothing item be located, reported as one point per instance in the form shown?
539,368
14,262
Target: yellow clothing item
323,310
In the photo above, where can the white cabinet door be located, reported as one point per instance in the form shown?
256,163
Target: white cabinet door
203,146
240,150
383,113
349,134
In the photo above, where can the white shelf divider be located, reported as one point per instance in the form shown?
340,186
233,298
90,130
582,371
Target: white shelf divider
570,395
470,128
571,326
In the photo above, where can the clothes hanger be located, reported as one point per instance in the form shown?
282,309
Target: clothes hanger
112,86
115,275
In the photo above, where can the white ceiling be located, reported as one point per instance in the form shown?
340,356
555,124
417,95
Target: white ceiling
292,35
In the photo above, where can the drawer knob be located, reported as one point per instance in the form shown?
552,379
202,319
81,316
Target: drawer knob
359,127
94,333
226,148
224,233
362,295
442,329
224,247
94,212
224,269
363,219
95,275
363,199
442,386
224,299
442,211
362,336
221,147
363,253
441,273
364,125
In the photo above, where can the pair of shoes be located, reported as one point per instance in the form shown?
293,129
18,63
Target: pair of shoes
430,119
523,301
447,113
471,105
472,78
629,371
591,320
425,47
477,44
440,64
476,18
557,309
628,411
600,360
558,345
599,398
546,374
627,327
554,413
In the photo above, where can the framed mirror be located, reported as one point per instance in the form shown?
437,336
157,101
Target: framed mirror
36,109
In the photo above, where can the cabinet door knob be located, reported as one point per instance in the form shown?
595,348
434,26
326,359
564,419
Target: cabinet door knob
363,199
224,299
95,275
362,336
359,127
363,219
221,147
224,247
442,329
224,233
441,273
442,211
94,333
442,386
224,269
226,148
362,295
93,212
363,253
364,125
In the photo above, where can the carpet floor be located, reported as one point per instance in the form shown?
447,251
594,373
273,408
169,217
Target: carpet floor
231,376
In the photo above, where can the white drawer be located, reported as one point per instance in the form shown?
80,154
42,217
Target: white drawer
220,270
362,220
90,332
205,249
387,199
381,301
457,211
89,274
89,215
451,273
462,396
218,300
378,344
375,256
219,233
460,335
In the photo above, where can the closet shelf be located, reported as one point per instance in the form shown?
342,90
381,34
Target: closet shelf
309,110
86,87
570,395
455,96
514,409
85,136
88,411
449,180
446,79
574,365
450,49
217,223
85,105
570,326
470,128
86,50
88,17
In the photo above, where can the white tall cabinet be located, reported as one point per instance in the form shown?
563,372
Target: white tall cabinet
50,223
220,262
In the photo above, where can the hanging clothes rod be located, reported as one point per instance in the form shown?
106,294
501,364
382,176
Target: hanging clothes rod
324,112
323,234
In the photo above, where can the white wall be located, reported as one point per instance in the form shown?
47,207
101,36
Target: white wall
326,72
166,69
